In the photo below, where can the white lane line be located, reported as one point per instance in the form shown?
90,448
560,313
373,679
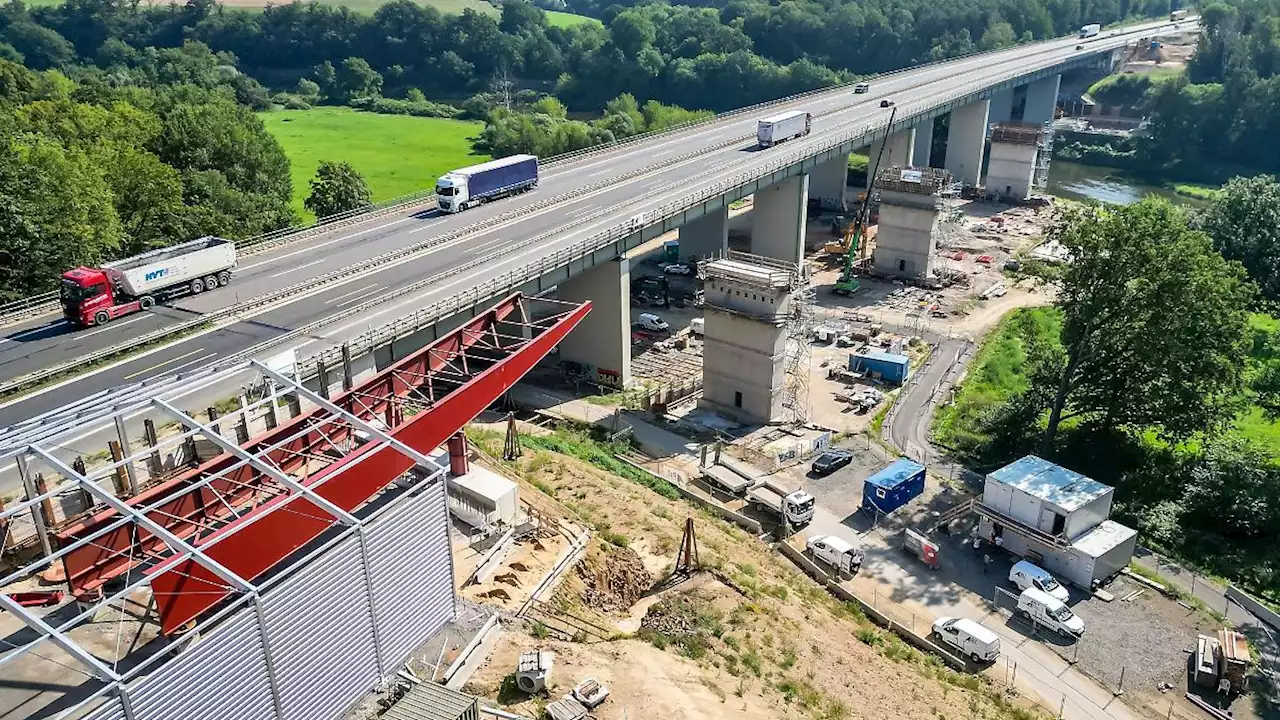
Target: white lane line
298,267
353,292
166,362
108,326
606,171
18,336
309,248
358,298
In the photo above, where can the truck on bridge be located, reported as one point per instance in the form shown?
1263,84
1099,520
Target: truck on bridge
95,296
1177,15
1090,30
467,187
782,127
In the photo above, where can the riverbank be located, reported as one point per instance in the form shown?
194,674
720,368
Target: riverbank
1078,181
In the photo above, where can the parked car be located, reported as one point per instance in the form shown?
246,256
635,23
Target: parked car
1043,609
1028,576
970,638
649,321
886,103
841,555
862,88
831,461
678,269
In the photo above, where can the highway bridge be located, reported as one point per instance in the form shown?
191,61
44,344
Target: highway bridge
585,214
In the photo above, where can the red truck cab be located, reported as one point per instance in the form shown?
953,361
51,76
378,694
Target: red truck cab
88,299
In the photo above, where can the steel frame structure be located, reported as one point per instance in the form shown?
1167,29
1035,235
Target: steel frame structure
201,539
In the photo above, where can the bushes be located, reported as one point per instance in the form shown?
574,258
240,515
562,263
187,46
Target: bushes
417,108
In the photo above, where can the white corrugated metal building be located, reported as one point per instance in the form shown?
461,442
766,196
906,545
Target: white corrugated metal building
1057,518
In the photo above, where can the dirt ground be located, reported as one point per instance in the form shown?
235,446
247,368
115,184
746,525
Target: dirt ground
753,638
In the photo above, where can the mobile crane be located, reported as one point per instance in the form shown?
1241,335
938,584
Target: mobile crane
848,284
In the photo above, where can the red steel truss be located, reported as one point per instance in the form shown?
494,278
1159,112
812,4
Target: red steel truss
246,510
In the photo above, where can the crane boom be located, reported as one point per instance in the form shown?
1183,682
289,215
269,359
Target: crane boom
847,284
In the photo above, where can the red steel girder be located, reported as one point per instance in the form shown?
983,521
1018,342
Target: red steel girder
449,382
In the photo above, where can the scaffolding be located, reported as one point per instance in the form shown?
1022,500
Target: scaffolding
1044,156
799,361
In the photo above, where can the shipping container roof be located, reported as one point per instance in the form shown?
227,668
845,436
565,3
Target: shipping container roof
1050,482
775,119
500,162
899,472
882,356
1103,538
429,701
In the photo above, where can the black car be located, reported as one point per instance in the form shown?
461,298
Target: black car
831,461
886,103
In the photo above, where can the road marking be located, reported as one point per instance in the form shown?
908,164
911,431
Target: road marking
160,365
309,247
298,267
353,292
358,298
606,171
108,326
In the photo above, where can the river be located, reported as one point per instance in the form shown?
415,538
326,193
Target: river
1089,182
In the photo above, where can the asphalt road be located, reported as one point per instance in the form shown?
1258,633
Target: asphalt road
46,342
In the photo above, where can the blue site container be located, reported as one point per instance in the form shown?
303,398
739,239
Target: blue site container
893,487
889,367
500,176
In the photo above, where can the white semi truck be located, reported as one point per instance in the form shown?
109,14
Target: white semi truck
94,296
467,187
782,127
1090,30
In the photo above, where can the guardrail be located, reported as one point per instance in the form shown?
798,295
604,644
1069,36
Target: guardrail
44,303
515,278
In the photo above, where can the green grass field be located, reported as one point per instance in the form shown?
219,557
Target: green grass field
564,19
396,154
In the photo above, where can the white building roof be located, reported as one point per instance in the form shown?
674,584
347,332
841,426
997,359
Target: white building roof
484,483
1103,538
1050,482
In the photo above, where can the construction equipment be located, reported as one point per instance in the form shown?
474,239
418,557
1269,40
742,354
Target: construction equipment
855,253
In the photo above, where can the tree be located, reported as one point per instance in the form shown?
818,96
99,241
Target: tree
1153,323
337,188
1244,222
308,90
41,48
356,79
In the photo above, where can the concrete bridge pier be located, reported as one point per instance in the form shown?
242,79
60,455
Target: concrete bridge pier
827,182
898,150
967,141
1001,107
1042,100
706,236
602,341
922,148
780,214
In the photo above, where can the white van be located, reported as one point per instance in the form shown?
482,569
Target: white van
1043,609
1025,575
649,321
969,637
840,554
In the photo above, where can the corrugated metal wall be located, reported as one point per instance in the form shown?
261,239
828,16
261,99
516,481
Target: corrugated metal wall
409,565
318,622
221,676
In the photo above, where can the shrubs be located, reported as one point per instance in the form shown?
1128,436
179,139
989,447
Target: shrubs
417,108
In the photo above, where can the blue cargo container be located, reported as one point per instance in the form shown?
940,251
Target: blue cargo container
467,187
889,367
893,487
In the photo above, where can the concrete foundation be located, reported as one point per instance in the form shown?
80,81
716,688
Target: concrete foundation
778,220
1001,109
1012,165
827,182
898,150
745,340
1042,100
602,341
706,236
922,150
966,142
909,205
